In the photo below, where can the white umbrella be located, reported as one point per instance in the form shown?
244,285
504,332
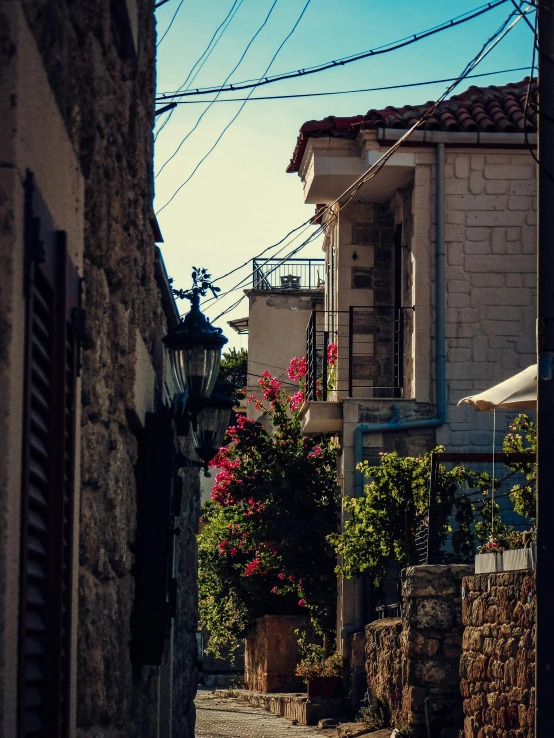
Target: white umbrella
516,393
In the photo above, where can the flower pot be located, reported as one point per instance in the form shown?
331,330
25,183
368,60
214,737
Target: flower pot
519,558
326,687
489,563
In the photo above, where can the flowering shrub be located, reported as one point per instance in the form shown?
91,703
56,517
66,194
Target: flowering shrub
263,546
491,546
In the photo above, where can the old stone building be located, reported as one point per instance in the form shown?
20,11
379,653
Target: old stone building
97,590
430,276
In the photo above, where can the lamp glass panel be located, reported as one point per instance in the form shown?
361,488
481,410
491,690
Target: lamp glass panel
196,368
213,422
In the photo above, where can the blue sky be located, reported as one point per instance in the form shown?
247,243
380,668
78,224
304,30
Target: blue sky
241,201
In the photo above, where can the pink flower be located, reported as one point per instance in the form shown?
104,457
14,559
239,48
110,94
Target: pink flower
332,354
234,551
280,575
297,368
297,400
315,452
275,590
253,567
302,602
270,386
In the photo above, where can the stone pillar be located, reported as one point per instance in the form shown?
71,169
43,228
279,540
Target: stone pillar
271,654
432,645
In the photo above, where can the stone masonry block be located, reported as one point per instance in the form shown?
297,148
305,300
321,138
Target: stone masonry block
531,218
514,280
459,300
488,280
492,264
513,234
479,348
500,328
498,159
476,202
528,240
461,354
509,171
456,186
499,240
478,234
477,247
523,187
476,183
477,162
461,166
496,218
458,286
456,217
455,254
503,313
496,186
500,296
513,247
520,202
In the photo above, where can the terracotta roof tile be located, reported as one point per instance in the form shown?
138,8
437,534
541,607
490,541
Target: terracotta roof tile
486,109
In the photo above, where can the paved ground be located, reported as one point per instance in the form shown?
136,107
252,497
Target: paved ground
218,717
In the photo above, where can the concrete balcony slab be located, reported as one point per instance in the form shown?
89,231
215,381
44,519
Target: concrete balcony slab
321,417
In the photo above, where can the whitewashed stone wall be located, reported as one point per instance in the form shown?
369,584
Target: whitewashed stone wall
490,235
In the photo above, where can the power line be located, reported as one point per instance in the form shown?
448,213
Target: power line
170,23
350,92
393,46
210,105
205,55
378,165
239,111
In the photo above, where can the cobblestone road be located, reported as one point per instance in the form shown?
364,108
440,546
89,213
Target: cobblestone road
218,717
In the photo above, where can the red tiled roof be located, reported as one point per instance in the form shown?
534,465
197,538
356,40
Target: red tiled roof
484,109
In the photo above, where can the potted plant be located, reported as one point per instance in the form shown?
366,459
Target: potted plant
520,552
322,673
489,557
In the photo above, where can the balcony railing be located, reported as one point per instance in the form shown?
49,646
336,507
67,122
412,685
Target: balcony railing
292,274
370,343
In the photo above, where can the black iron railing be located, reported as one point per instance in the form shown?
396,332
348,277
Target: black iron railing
371,343
292,274
436,528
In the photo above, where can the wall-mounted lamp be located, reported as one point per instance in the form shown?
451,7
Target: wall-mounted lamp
195,355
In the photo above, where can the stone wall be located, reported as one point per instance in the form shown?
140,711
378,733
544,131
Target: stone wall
384,665
412,663
97,59
498,661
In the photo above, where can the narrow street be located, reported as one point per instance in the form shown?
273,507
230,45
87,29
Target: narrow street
218,717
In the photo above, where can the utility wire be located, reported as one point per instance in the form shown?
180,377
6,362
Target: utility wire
210,105
170,23
349,92
393,46
205,54
351,191
239,111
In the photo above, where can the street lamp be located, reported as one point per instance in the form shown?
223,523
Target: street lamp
213,420
195,346
195,354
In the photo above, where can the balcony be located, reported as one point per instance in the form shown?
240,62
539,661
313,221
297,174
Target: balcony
290,275
370,345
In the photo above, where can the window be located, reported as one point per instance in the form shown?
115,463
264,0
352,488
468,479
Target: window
53,319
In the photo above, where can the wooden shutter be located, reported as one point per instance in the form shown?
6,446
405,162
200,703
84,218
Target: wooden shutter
53,318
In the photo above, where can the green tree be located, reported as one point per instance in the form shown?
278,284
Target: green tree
234,367
523,438
263,546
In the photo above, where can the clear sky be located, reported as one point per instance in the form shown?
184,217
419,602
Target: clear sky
241,201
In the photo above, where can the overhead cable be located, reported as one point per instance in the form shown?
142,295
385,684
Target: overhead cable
239,111
385,49
171,22
210,105
373,170
205,55
348,92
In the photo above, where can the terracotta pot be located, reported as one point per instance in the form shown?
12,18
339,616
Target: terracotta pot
326,687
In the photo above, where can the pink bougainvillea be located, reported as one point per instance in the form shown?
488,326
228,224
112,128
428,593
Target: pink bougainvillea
332,354
297,368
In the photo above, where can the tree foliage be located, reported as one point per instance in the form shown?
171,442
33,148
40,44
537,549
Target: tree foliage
523,438
234,367
263,547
